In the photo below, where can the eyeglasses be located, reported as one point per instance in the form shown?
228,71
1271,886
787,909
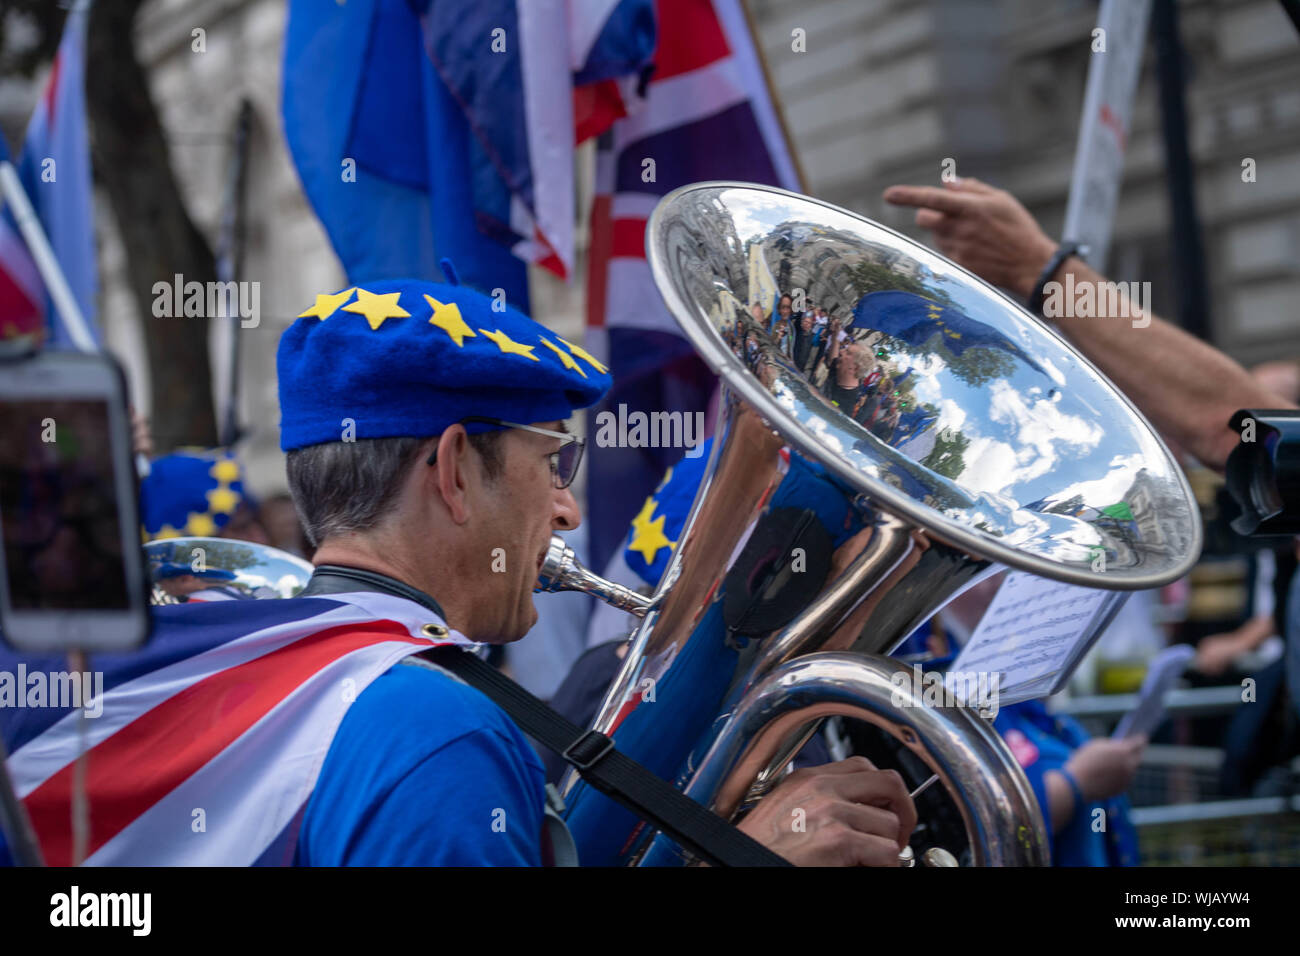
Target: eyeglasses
564,460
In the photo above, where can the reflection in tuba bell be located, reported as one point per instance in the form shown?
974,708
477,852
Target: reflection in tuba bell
957,434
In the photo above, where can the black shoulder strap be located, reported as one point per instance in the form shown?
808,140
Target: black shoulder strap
614,774
338,579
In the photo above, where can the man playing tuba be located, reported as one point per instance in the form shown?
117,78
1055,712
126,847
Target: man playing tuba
430,464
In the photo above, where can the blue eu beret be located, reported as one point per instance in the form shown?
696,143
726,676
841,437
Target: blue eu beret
193,492
406,357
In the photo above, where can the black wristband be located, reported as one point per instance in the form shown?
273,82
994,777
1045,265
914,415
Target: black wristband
1063,252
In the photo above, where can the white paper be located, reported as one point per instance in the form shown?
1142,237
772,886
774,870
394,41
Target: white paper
1030,631
1164,669
1104,124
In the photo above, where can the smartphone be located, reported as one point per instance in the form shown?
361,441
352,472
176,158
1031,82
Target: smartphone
71,566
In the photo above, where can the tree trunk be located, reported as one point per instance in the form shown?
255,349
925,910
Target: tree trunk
133,164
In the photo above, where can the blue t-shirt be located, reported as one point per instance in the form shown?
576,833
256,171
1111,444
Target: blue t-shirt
425,771
1043,742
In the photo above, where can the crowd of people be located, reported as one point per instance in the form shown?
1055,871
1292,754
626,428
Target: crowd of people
850,367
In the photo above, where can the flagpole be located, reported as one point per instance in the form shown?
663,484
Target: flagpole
772,97
14,822
47,263
29,224
230,257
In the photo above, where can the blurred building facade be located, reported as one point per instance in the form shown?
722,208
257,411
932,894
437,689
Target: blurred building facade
884,92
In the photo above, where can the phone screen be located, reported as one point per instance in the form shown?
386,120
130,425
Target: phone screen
62,538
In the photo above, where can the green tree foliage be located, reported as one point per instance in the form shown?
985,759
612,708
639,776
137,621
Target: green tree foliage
947,456
977,365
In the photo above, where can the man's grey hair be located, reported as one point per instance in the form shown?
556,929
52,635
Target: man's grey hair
341,487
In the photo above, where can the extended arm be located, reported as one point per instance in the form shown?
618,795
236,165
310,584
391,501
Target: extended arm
1187,388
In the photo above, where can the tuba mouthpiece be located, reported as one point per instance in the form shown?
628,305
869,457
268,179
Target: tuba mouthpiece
561,571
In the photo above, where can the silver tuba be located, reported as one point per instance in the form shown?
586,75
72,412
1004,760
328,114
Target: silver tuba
933,433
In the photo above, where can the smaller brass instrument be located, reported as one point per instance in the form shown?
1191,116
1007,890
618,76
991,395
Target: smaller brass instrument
244,569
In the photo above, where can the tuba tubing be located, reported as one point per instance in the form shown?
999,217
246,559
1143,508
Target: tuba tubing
893,577
992,794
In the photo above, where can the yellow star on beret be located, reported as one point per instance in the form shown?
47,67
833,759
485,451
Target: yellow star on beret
564,357
585,356
377,308
200,525
449,319
225,471
327,305
509,346
222,501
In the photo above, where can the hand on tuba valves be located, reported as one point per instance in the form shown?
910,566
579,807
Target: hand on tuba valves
846,813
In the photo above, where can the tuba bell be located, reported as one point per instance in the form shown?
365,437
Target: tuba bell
948,434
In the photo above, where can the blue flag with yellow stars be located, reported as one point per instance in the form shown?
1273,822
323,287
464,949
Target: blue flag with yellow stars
192,492
658,526
914,319
657,529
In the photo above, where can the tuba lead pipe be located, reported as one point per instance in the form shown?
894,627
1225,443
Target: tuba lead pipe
561,571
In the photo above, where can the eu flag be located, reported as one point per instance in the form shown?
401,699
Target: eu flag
914,319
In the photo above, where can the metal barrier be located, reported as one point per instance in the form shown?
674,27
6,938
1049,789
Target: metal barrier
1183,815
1216,810
1185,702
1185,819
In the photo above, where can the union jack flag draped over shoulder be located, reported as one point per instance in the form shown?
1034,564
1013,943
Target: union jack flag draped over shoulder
229,710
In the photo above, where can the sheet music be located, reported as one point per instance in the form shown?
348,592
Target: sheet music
1031,630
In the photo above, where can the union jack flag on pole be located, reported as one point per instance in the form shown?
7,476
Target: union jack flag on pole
707,115
458,126
22,294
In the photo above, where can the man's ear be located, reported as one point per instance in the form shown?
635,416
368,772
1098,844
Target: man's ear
452,471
